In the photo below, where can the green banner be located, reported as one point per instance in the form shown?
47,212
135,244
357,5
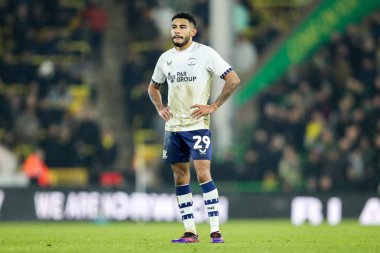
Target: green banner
329,16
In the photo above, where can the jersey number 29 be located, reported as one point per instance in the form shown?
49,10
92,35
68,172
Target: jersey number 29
205,139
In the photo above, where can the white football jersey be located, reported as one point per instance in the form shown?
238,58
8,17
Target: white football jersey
188,74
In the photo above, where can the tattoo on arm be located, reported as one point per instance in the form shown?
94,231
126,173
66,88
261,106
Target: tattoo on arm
228,89
230,86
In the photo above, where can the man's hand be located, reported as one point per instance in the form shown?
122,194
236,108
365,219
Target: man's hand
155,97
165,113
202,110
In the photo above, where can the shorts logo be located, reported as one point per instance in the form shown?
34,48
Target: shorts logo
202,151
164,154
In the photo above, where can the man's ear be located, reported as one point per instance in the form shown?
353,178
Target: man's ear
194,32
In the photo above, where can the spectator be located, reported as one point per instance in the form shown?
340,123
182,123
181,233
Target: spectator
241,15
331,101
8,68
313,170
132,73
250,170
36,170
147,21
54,155
96,19
34,95
87,140
201,10
109,150
162,14
59,96
9,174
226,168
8,162
290,170
27,123
314,128
244,55
276,145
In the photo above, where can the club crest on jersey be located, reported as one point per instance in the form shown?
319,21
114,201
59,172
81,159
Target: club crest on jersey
191,61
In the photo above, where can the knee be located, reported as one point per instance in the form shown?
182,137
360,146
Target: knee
203,176
181,177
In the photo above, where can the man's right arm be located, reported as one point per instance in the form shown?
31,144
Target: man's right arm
155,97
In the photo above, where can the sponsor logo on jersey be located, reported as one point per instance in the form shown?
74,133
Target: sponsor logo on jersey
164,154
171,77
181,77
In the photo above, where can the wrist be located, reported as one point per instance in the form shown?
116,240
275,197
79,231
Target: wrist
214,107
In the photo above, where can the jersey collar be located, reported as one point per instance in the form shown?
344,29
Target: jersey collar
186,50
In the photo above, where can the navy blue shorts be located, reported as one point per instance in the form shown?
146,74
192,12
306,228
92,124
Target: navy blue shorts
180,146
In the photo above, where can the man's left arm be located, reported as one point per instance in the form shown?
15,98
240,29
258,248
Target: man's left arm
232,82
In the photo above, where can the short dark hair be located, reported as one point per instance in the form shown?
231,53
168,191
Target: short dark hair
187,16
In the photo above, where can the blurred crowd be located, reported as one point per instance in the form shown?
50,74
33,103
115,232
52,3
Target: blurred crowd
46,101
256,29
318,129
148,23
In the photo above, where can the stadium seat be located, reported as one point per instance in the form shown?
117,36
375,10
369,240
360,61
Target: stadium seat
111,179
72,177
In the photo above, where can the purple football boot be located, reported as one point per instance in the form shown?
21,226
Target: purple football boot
187,237
216,237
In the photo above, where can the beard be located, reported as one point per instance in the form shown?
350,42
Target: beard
181,44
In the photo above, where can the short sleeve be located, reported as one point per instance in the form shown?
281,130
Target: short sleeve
216,64
158,77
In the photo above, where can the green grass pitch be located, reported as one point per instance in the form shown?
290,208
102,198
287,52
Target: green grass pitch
241,236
